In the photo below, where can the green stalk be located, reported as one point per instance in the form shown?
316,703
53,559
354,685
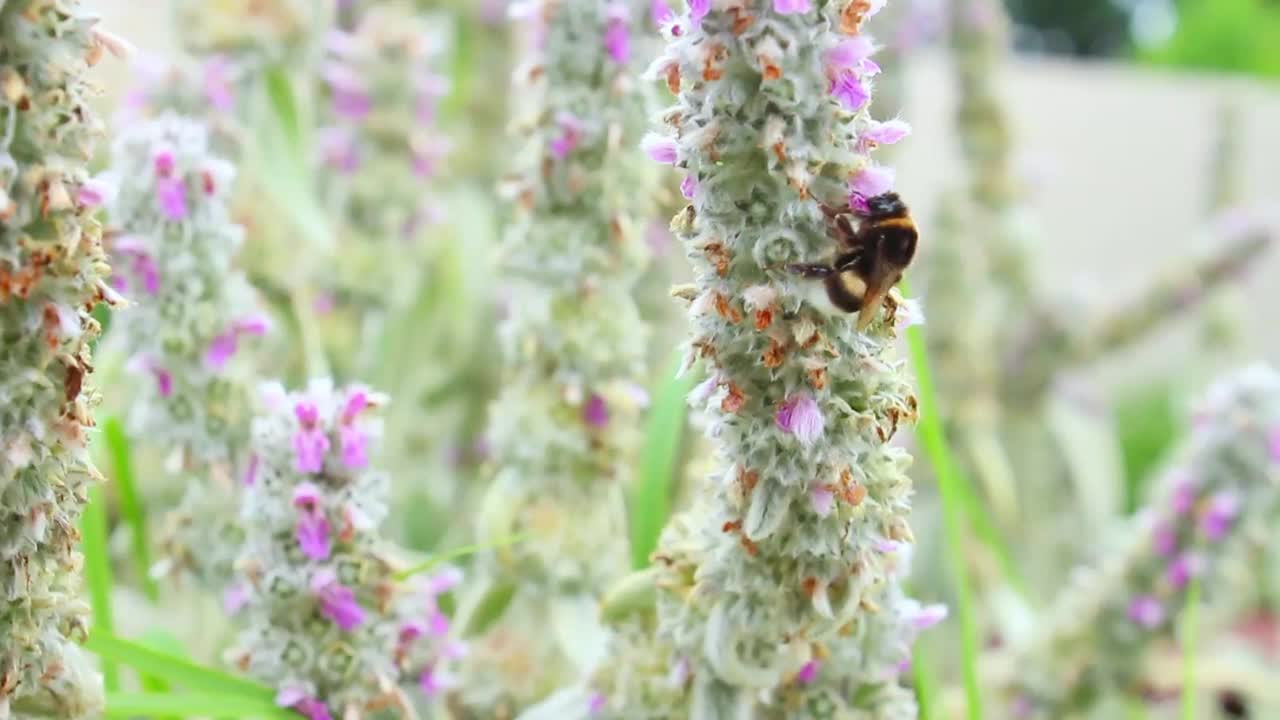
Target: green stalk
1190,622
131,503
97,571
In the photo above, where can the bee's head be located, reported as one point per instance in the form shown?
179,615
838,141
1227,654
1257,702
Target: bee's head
888,205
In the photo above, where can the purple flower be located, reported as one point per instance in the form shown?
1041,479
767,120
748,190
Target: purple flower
351,104
338,148
1184,496
217,84
251,472
661,12
234,598
297,698
1164,539
163,163
660,148
1146,611
224,346
310,443
822,499
849,54
883,133
1273,440
434,680
312,531
688,186
1182,569
337,601
93,193
872,180
928,616
617,36
698,9
355,447
447,579
438,623
809,672
799,415
570,135
791,7
595,412
596,703
171,196
1220,514
849,90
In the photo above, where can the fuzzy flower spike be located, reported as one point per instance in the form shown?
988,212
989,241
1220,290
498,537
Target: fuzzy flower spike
1225,488
325,620
564,429
789,570
52,275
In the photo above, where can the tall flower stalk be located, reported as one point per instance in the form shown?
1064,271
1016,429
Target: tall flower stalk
1224,488
52,275
786,573
193,314
326,620
563,430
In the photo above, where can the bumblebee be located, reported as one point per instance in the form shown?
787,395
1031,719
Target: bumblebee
871,258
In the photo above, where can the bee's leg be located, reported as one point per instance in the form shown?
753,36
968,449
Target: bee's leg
834,212
811,270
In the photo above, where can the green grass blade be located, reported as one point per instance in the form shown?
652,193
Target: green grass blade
131,505
176,670
925,682
950,487
130,705
651,497
162,641
454,554
489,609
1190,630
97,572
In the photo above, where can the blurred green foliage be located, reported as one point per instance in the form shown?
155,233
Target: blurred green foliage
1078,27
1148,425
1228,35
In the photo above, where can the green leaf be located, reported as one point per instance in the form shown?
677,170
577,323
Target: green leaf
925,681
952,487
162,641
97,572
174,669
131,504
284,105
454,554
1148,425
129,705
490,608
651,497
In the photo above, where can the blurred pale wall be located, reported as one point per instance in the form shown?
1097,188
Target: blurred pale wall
1122,157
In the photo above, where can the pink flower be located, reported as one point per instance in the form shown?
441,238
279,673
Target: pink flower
1273,440
438,623
1146,611
822,499
434,680
251,472
849,54
171,196
1220,515
661,12
872,180
1182,569
443,581
698,9
298,699
93,193
888,132
338,148
595,412
799,415
337,601
570,135
928,616
791,7
596,703
617,36
1184,496
849,90
312,531
660,148
224,346
688,186
217,84
310,443
163,163
809,672
1164,539
355,447
234,598
351,103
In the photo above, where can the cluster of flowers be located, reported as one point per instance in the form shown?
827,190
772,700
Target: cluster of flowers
564,429
327,620
1226,486
781,597
52,275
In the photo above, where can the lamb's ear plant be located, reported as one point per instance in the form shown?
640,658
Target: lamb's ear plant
564,429
1223,489
53,273
326,619
193,317
776,594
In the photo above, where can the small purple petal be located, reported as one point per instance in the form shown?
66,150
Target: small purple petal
1220,514
595,412
306,496
312,534
443,581
661,12
220,351
234,598
871,181
217,84
290,695
660,148
251,472
309,447
928,616
809,672
799,415
617,38
791,7
163,163
351,104
1164,540
337,601
698,9
885,133
171,196
570,136
849,53
688,186
434,680
306,413
355,447
93,193
823,499
1184,496
1182,569
164,381
849,90
338,148
438,623
256,324
596,703
1273,440
1146,611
